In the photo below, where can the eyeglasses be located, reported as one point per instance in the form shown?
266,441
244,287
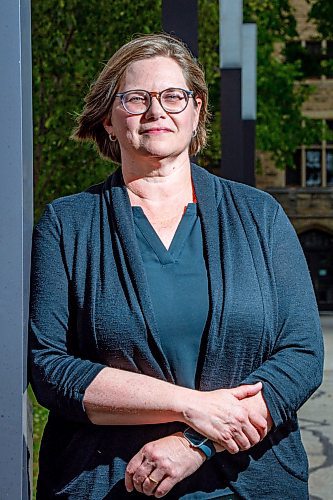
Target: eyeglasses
137,102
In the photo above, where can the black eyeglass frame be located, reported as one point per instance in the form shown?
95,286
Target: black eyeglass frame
189,93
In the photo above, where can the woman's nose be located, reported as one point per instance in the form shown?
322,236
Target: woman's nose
155,109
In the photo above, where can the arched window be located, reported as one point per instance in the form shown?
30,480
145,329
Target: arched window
318,249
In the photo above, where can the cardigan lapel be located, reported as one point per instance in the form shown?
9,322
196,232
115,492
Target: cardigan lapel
122,218
208,199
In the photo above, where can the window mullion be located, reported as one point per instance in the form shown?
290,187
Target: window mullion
323,164
303,167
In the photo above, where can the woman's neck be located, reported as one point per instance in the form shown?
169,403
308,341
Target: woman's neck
162,185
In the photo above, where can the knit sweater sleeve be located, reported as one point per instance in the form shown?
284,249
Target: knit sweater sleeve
294,369
58,378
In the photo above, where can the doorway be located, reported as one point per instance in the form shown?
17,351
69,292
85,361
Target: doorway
318,249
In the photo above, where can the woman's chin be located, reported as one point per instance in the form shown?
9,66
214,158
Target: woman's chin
162,151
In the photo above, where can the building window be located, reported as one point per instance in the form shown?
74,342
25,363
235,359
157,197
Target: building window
313,166
329,167
313,170
315,57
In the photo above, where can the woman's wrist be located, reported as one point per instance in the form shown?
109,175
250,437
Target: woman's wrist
197,452
183,401
198,441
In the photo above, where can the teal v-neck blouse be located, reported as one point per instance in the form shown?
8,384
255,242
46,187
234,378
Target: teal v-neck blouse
178,286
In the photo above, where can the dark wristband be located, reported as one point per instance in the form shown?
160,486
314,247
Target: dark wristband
199,441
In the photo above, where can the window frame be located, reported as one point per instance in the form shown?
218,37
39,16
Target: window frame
323,147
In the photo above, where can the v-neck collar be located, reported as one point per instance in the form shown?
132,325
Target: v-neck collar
166,255
121,217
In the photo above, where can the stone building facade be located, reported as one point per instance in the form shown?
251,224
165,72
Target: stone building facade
306,192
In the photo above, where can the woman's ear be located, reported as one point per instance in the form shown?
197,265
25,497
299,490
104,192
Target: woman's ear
198,100
108,125
197,109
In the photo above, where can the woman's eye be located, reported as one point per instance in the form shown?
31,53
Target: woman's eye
173,97
135,98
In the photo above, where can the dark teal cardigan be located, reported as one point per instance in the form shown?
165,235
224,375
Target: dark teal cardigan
90,308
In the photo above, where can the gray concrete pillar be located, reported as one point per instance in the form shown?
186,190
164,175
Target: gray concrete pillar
16,218
231,19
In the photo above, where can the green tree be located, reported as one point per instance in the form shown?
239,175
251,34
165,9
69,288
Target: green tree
321,12
281,128
72,40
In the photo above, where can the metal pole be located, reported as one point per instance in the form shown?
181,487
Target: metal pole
249,100
181,19
15,236
231,18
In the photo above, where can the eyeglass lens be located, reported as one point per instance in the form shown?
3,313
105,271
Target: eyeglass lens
172,100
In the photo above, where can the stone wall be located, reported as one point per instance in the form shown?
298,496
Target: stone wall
305,29
307,209
320,102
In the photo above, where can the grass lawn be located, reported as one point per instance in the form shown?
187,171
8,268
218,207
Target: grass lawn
39,421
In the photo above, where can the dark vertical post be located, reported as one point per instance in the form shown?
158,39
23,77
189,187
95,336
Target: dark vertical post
249,100
180,18
231,18
231,125
249,155
15,236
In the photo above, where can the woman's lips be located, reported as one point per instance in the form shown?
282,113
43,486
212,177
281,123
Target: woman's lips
156,131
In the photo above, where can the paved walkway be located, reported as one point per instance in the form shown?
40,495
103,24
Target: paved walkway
316,420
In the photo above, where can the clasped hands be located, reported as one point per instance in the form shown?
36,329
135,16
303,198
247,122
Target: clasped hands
234,419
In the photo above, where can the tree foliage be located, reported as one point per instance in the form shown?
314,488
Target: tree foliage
321,12
281,128
72,40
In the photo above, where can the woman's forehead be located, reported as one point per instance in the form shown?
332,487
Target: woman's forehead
154,71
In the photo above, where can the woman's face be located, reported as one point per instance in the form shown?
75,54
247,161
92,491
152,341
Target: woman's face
156,133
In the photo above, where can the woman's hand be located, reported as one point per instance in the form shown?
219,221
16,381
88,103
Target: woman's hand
222,416
161,464
257,404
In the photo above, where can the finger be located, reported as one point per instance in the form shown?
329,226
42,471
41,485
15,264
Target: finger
218,447
152,481
137,485
245,391
230,445
164,487
128,482
141,474
132,465
252,435
260,423
242,441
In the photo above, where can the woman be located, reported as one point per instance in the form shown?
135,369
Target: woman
174,332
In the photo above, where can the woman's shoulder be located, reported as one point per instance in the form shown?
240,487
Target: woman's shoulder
73,211
79,201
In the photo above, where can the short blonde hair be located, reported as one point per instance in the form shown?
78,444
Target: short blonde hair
99,100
